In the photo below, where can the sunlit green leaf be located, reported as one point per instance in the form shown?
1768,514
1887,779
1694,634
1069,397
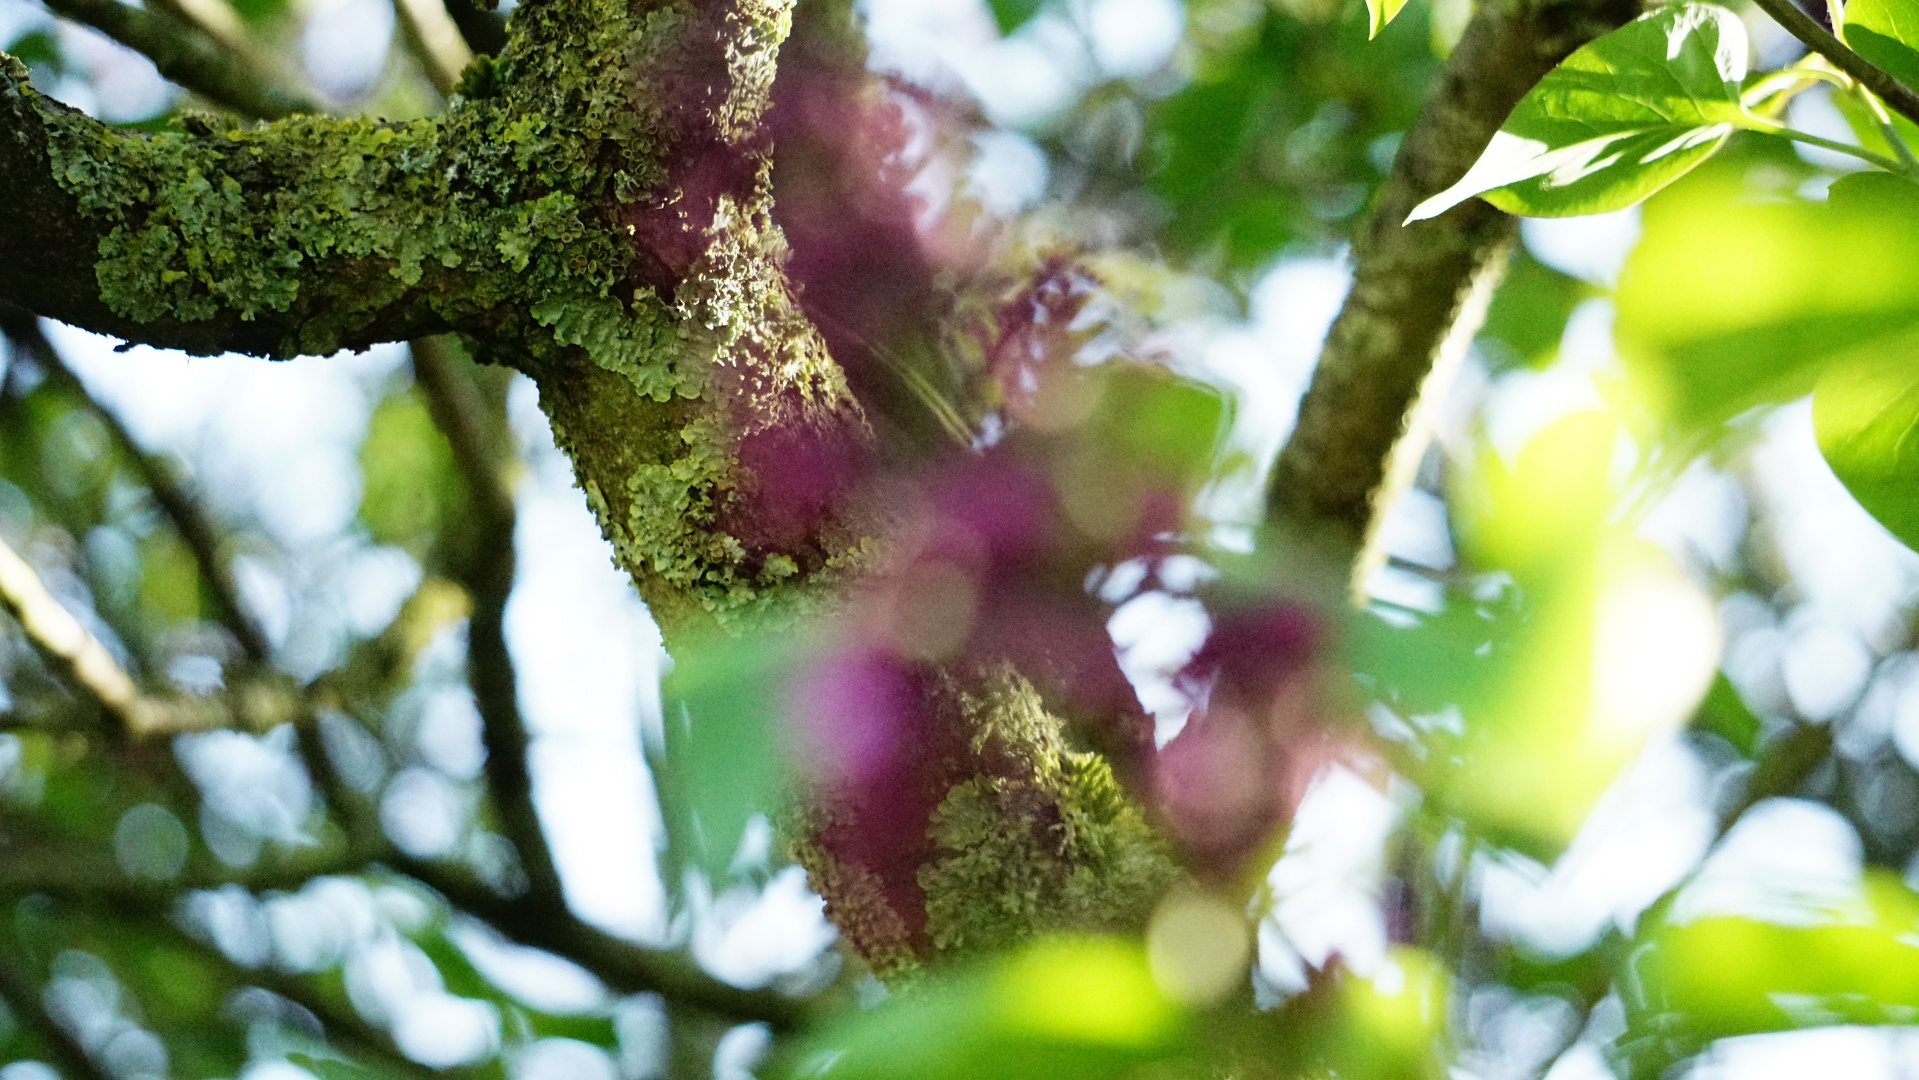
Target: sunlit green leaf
1731,302
1063,1009
1866,128
1866,416
1381,13
1886,32
1621,118
1524,710
1722,975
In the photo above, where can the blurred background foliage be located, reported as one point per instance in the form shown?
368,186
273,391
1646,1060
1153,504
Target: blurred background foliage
1631,708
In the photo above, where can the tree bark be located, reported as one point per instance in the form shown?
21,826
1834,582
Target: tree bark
594,205
1412,282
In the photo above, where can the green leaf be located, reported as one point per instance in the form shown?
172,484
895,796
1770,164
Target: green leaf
1719,976
727,754
1382,12
1865,415
1064,1009
1886,32
1621,118
1724,713
411,486
1730,302
1010,15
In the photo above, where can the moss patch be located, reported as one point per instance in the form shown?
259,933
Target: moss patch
1055,847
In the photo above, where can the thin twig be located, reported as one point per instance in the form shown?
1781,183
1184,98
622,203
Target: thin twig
479,443
344,1029
433,39
215,18
483,29
70,647
624,966
81,659
1418,288
176,500
188,56
1820,40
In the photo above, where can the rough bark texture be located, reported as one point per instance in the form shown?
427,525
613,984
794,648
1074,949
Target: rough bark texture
594,204
1411,282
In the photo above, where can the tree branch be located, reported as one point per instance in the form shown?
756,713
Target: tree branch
1412,283
83,661
487,574
622,965
51,257
187,55
483,28
1894,93
71,648
175,499
435,40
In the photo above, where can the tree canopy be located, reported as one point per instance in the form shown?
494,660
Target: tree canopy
1190,538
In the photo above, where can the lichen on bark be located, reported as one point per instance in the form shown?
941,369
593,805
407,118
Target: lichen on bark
596,198
1025,837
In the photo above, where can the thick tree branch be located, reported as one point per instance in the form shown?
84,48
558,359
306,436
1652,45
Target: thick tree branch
187,55
50,246
1411,283
1894,93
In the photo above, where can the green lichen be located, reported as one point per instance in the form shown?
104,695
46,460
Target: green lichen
1056,847
502,218
503,196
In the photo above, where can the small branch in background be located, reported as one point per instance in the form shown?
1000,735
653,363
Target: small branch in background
435,40
344,1028
71,648
189,56
483,28
480,452
1894,93
80,658
622,965
176,500
67,1053
215,18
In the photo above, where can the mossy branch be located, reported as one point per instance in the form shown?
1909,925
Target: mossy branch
1411,283
594,205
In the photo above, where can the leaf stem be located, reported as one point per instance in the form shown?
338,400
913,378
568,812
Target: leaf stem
1807,137
1887,129
1820,40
